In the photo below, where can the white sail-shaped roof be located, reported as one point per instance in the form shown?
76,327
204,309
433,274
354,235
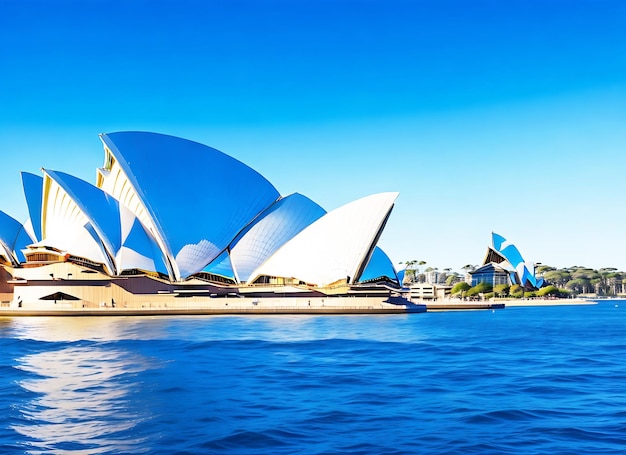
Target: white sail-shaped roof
139,249
33,191
65,226
335,247
221,266
192,198
379,267
280,223
13,238
119,237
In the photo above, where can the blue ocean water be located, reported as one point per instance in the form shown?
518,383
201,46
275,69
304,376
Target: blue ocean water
522,380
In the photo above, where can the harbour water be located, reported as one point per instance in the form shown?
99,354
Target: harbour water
532,380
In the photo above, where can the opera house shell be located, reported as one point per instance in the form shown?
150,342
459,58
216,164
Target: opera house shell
169,216
505,257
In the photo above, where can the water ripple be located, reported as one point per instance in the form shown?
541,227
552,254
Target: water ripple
516,381
79,401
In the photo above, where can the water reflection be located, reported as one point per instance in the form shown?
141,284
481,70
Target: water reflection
91,385
84,328
274,328
84,395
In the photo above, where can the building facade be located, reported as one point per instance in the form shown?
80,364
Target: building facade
503,264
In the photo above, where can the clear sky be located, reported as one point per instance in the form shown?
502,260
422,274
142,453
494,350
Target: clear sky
505,116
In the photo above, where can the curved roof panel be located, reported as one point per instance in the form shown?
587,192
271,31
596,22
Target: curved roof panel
379,266
335,246
101,209
13,238
33,190
139,249
127,243
276,226
514,257
197,198
66,226
221,266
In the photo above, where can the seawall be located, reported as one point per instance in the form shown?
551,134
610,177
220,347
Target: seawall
218,306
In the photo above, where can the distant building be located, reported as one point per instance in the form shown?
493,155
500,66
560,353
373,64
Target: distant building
503,264
429,291
432,276
491,273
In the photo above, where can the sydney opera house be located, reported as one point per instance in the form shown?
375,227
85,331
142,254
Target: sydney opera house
171,223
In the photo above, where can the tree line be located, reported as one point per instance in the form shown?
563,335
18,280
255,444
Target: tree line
607,281
564,282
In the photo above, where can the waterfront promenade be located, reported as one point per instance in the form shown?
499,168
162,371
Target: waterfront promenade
219,306
242,306
461,305
545,302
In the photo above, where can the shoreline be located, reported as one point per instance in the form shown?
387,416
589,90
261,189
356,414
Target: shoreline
208,312
313,306
232,306
454,305
547,302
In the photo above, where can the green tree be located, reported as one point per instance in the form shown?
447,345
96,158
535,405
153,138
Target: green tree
409,270
614,281
578,285
548,290
480,288
604,285
516,291
586,278
460,288
543,269
501,290
557,277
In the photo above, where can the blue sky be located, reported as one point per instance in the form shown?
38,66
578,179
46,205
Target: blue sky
505,116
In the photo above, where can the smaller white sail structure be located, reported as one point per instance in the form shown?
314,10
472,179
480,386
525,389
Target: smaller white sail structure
336,247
